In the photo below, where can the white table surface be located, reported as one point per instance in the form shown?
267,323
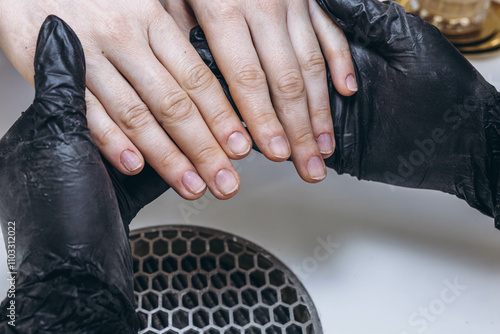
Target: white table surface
398,250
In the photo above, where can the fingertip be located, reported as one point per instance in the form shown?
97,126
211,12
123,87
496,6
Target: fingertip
109,139
316,169
59,62
279,148
239,145
59,80
345,84
351,83
188,195
227,183
194,183
131,162
329,155
325,144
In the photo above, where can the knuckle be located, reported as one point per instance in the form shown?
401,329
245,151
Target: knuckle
339,53
207,153
314,63
168,159
291,85
302,137
229,12
116,28
91,103
217,11
175,107
105,136
271,8
135,116
198,76
250,76
221,118
321,113
263,119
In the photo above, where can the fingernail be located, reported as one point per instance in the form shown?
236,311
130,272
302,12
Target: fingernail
325,143
238,144
279,147
316,168
130,161
226,182
193,182
351,82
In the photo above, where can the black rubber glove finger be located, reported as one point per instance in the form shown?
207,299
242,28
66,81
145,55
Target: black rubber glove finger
370,22
59,82
135,192
58,87
73,261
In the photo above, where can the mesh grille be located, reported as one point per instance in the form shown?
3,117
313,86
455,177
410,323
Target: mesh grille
191,280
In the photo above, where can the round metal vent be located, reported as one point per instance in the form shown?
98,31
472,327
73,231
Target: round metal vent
191,279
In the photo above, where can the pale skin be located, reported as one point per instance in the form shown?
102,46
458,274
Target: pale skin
150,97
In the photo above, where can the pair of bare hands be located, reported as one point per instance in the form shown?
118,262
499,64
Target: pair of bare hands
150,96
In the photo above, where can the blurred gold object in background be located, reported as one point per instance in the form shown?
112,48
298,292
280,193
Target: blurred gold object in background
453,17
472,25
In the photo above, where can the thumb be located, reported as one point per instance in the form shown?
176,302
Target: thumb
59,80
373,23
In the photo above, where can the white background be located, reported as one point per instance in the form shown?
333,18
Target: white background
397,247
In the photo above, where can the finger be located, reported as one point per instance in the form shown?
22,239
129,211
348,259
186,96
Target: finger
233,50
131,115
366,20
195,78
335,49
288,93
59,80
183,15
313,70
110,140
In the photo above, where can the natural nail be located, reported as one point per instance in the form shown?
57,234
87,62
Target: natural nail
238,144
279,147
316,168
325,143
193,182
351,82
130,161
226,182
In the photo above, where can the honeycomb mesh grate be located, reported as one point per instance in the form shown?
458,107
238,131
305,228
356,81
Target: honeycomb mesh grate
190,280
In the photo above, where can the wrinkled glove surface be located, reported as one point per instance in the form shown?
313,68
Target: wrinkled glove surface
66,212
423,116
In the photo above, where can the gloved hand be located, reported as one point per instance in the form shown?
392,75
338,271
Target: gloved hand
423,116
62,212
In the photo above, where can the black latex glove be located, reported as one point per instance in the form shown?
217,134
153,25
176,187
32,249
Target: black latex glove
423,116
73,260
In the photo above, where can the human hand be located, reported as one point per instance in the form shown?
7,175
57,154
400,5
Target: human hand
59,210
271,58
423,117
148,93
